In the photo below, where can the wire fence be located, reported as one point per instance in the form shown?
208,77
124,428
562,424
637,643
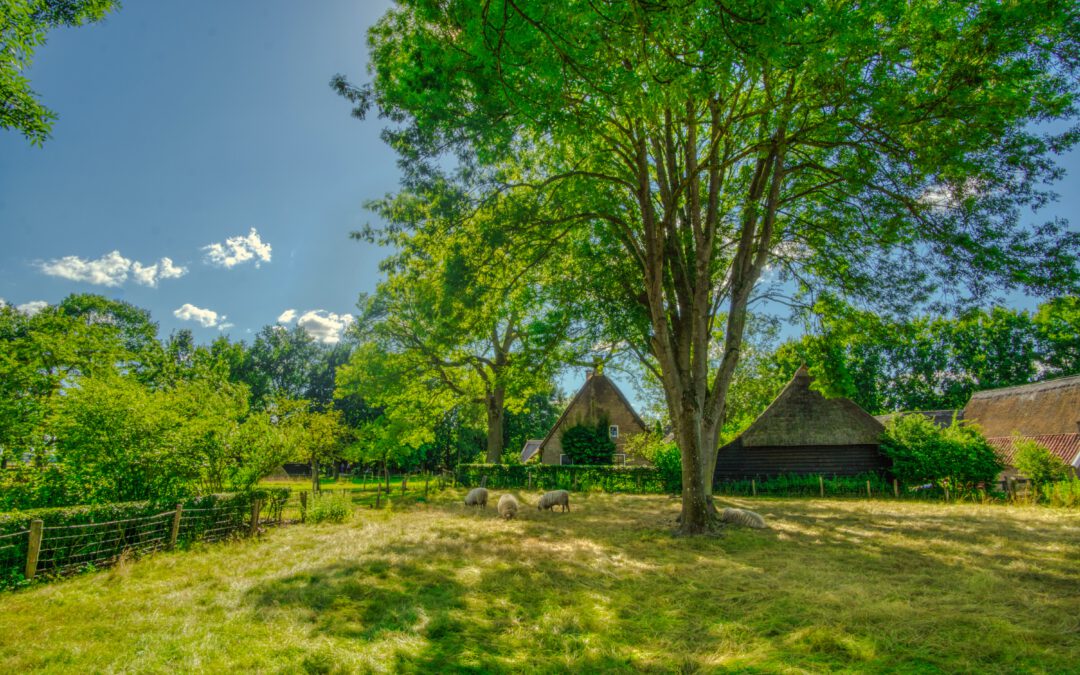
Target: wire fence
56,551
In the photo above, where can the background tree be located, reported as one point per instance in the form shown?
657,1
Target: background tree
880,148
23,25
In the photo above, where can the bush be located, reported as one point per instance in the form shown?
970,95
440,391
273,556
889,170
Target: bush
957,456
330,507
1037,462
1062,493
635,479
589,444
668,461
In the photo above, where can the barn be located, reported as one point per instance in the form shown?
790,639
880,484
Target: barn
597,400
802,432
1047,412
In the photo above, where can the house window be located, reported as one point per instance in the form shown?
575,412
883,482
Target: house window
613,431
619,459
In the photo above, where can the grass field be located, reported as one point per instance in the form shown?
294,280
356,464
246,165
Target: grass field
858,586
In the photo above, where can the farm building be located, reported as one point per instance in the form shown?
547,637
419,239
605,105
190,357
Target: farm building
598,400
1047,412
803,432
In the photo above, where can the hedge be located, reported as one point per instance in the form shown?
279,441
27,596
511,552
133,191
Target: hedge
639,479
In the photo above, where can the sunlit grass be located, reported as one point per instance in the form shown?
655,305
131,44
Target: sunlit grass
833,585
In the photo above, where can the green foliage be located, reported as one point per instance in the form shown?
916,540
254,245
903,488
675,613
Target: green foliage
329,507
957,457
1061,493
23,25
588,444
668,461
1037,463
633,479
925,363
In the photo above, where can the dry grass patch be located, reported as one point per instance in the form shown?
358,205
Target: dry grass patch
831,586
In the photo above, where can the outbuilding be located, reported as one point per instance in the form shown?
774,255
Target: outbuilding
803,432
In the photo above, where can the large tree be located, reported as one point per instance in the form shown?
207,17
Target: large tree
882,149
23,25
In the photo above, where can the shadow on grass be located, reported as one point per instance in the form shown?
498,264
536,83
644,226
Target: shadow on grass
607,588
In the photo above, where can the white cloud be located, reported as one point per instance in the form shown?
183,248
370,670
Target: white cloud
324,326
163,269
33,307
207,318
111,269
287,316
238,250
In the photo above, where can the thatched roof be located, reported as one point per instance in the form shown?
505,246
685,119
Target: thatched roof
1041,408
1064,446
801,416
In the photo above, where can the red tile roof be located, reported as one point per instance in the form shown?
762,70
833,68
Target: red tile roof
1065,446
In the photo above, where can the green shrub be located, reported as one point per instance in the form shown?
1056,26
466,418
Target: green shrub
668,461
1037,462
330,507
589,444
1061,493
634,479
957,456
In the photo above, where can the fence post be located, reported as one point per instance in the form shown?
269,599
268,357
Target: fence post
303,506
868,495
175,531
404,481
427,479
946,493
753,486
255,506
821,485
895,488
34,549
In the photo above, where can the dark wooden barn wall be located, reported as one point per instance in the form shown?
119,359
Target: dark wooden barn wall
844,460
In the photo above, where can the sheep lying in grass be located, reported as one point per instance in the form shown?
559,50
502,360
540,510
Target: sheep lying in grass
477,497
508,506
743,517
554,498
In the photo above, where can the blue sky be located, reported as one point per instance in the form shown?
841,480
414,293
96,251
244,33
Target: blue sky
183,126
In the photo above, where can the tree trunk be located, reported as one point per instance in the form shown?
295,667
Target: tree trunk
495,415
314,475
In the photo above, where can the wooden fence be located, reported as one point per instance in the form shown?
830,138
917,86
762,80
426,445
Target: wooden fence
66,549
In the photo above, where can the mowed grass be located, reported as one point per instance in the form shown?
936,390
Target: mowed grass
857,586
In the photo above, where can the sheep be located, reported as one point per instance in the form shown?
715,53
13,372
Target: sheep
554,498
508,506
477,497
743,517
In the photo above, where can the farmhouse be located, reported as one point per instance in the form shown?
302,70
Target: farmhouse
598,400
803,432
1047,412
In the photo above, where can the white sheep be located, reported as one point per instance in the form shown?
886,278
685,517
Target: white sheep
554,498
477,497
508,506
743,517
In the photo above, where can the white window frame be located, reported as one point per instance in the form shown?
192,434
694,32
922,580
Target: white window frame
613,431
619,459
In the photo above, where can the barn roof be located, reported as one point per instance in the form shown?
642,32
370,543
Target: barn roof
801,416
1041,408
593,381
1065,446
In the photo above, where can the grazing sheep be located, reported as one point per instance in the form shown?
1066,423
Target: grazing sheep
508,506
743,517
477,497
554,498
